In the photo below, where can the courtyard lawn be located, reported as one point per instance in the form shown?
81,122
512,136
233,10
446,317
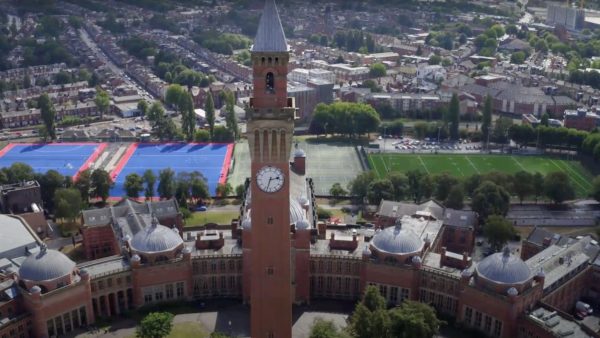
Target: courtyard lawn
217,216
462,165
185,330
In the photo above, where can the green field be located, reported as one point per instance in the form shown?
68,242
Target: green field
461,165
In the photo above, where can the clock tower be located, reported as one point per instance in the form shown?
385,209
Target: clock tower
270,128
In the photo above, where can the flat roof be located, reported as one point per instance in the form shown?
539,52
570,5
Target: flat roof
15,236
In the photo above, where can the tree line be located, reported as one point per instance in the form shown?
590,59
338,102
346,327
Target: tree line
344,118
489,193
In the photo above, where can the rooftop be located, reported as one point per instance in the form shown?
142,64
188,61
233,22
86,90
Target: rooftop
553,322
15,237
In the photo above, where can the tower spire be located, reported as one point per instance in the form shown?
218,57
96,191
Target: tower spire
270,36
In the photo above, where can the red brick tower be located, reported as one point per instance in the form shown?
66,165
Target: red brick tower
270,127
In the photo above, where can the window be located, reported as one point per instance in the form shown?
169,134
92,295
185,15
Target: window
223,282
477,319
67,321
487,324
320,282
158,294
497,328
231,265
404,295
231,282
169,291
383,291
180,292
270,220
148,298
468,315
213,267
270,83
222,266
393,295
270,271
100,285
50,325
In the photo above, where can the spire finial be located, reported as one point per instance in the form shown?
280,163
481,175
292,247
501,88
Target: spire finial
270,36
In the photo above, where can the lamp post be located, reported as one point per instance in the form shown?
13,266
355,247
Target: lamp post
384,138
438,138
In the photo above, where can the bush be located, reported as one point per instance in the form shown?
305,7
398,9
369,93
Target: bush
323,213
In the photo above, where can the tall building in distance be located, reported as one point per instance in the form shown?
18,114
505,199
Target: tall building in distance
270,128
570,17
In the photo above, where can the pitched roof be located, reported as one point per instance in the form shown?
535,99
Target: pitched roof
270,36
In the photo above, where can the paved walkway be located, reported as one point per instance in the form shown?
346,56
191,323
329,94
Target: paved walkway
234,318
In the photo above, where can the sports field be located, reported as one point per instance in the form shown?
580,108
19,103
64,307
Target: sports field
210,159
461,165
66,158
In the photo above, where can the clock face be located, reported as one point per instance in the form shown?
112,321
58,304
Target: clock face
270,179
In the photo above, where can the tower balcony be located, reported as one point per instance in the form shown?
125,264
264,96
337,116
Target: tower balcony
277,112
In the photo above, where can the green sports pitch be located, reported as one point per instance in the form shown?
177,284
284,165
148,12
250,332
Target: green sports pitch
463,165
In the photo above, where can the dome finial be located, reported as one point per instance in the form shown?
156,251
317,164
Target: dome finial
43,248
154,220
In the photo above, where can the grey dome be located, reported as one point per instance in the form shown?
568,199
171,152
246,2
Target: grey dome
297,213
299,153
303,200
416,260
504,267
46,265
512,292
35,289
302,225
156,238
136,258
466,273
247,223
396,240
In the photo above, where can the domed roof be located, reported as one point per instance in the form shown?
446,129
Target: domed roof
297,213
35,289
155,238
396,240
46,265
504,267
302,225
299,153
512,292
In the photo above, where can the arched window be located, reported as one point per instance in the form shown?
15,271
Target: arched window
270,83
262,60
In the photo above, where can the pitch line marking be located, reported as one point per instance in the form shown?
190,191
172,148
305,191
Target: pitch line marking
561,169
573,172
472,164
423,163
519,163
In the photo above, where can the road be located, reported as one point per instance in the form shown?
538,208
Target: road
114,68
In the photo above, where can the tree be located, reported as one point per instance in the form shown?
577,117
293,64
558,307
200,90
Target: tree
133,185
557,187
199,186
544,121
188,116
337,191
166,185
486,122
149,180
101,184
324,329
498,231
358,187
414,184
48,114
538,185
142,106
455,198
454,117
240,190
202,135
84,184
596,188
435,59
67,203
443,183
501,129
209,108
380,189
224,190
517,57
377,70
523,184
490,199
414,320
19,172
102,101
49,183
400,184
230,117
155,325
370,317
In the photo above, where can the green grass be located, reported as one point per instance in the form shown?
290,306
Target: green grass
218,217
186,330
466,165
